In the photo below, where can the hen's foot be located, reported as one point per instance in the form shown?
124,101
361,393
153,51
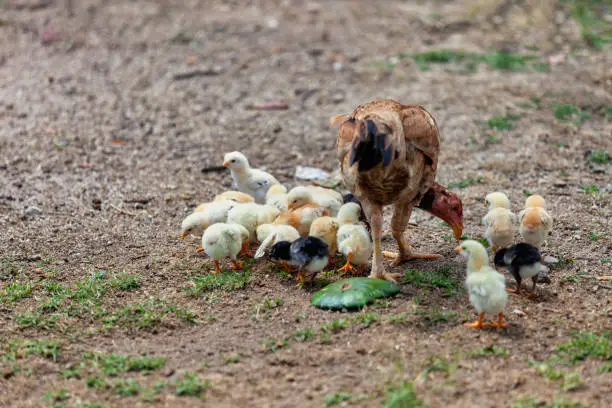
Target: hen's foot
391,277
408,256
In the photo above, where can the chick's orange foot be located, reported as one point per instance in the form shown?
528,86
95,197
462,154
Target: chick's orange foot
237,265
478,324
217,267
499,324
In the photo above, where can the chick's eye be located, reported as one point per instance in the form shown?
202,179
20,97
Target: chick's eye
233,161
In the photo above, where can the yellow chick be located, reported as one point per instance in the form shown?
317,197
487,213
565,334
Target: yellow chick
236,196
223,240
535,222
353,239
302,218
254,182
326,228
210,213
499,222
277,197
302,195
486,287
250,216
270,234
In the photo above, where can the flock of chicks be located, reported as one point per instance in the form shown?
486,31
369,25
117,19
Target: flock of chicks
388,155
487,287
302,229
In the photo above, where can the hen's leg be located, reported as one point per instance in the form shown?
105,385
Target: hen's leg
375,215
399,222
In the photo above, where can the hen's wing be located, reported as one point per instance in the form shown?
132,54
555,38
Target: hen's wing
388,151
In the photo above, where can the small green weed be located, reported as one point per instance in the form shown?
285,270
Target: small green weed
262,309
125,387
36,320
148,313
503,122
337,398
435,316
525,402
599,156
401,396
227,281
16,290
437,279
273,344
366,319
569,112
438,364
18,348
190,385
125,281
585,344
303,335
114,364
56,395
578,276
231,358
590,189
466,182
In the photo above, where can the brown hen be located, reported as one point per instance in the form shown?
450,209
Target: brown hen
388,154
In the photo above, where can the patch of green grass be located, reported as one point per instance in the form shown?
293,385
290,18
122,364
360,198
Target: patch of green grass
303,335
401,396
596,236
466,182
125,281
525,402
590,189
148,313
437,57
14,291
599,156
113,364
569,112
273,344
435,316
190,385
562,402
590,16
586,344
366,319
125,387
505,122
578,276
227,281
337,398
18,348
440,278
508,61
262,309
10,268
148,394
488,351
36,320
570,381
438,364
56,395
492,138
92,404
335,326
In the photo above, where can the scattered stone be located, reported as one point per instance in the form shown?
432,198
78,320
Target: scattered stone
32,212
310,173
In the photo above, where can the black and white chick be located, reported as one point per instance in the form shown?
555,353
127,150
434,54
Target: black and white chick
307,254
349,198
523,261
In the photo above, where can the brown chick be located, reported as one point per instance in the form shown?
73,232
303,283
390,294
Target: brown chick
388,154
302,218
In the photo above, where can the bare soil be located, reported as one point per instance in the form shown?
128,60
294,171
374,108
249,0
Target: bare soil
112,111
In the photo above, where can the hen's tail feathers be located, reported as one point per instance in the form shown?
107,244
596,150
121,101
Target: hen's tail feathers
338,120
265,244
370,148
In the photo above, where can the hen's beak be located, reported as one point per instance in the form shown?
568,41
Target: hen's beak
458,249
184,234
225,163
200,249
457,230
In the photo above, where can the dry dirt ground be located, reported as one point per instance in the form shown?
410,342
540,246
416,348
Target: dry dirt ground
111,112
